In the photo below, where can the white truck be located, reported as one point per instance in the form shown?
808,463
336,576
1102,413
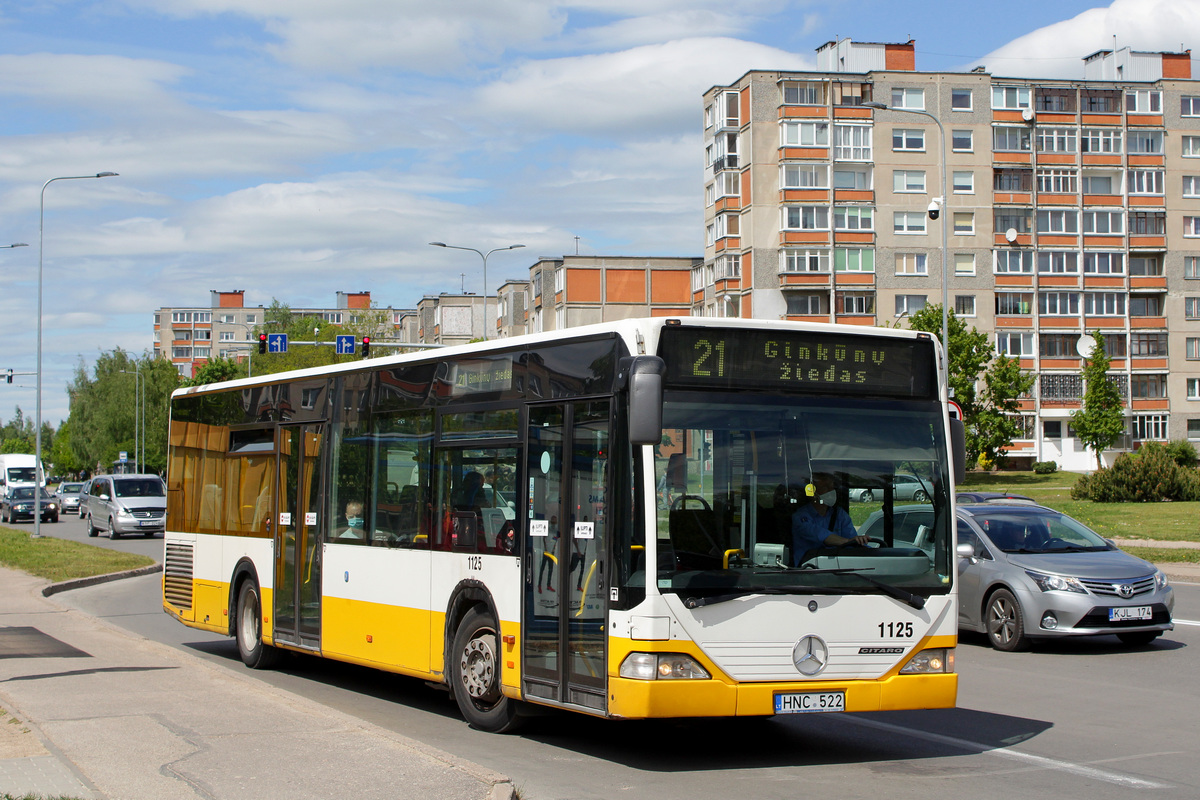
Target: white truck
19,469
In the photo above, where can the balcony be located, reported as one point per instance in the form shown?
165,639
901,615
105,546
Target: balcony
725,162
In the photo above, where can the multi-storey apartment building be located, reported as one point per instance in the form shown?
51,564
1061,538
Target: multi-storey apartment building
1070,206
189,337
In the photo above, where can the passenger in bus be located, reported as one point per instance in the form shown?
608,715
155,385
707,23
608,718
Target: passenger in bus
470,493
822,523
354,522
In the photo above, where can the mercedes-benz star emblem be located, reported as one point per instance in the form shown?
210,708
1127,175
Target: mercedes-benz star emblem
810,655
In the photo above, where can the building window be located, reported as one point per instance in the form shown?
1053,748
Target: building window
853,218
1191,227
908,140
908,222
854,178
250,319
1191,307
908,98
960,99
727,266
1010,97
1147,386
1010,139
1148,344
963,182
851,94
1060,387
909,303
1191,348
964,223
1104,304
1104,263
911,264
1189,106
1145,265
1012,180
1013,303
857,302
1057,345
1058,262
804,93
806,134
1020,220
1193,393
1145,181
1104,222
560,280
1147,143
804,176
1055,100
181,352
1149,427
806,261
1143,101
854,259
962,141
806,218
964,263
1191,185
1016,345
806,303
1191,267
908,180
1061,221
1057,181
964,305
1114,345
1052,429
1098,182
1010,262
204,335
1191,146
1147,223
852,142
1056,140
1102,140
1058,304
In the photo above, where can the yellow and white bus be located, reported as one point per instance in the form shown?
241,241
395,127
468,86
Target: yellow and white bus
598,519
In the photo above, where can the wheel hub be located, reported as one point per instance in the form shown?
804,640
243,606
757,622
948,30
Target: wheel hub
478,667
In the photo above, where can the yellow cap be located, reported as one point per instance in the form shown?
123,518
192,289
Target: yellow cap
810,490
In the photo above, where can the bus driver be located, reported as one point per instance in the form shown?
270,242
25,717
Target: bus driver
822,523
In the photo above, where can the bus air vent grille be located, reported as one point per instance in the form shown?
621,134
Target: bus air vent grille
177,575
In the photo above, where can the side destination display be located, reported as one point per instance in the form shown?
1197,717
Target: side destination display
835,363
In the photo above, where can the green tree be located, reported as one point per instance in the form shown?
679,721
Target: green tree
217,370
61,455
995,425
279,318
17,435
1101,421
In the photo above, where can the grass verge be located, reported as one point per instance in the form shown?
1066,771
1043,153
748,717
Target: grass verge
61,559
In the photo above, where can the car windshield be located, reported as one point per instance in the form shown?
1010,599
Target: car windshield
1040,531
70,488
26,493
733,471
21,474
138,487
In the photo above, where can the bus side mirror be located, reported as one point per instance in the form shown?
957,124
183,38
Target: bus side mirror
642,376
958,448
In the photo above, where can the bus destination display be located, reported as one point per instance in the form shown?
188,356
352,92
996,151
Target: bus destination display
800,361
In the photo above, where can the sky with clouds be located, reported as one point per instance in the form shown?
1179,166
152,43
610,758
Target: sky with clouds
295,148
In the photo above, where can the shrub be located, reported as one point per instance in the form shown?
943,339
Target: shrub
1183,452
1150,475
1045,467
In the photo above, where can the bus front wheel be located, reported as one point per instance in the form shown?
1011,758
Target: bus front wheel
476,674
254,653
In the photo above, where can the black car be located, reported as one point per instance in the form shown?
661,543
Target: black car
19,502
990,497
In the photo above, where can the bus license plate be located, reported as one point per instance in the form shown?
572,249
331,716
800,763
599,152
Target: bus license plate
1130,612
809,702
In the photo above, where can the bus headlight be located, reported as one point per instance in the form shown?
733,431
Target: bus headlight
662,667
926,662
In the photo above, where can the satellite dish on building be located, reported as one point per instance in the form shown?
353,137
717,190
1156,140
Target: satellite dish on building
1027,114
1011,235
1085,345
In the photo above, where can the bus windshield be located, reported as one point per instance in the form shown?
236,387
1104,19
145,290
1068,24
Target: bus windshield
738,478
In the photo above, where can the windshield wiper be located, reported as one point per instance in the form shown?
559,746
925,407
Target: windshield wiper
903,595
697,602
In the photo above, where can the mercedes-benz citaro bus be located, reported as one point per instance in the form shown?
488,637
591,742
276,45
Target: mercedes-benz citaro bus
608,519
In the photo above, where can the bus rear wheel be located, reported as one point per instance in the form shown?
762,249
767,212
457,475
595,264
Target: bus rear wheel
475,674
255,654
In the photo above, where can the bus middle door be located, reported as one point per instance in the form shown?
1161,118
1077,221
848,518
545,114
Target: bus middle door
297,596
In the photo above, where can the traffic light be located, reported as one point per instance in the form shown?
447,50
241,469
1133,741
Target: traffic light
9,375
262,343
366,348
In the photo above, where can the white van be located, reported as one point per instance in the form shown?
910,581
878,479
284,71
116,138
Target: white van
19,469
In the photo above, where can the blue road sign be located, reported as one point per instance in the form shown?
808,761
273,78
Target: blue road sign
344,345
276,342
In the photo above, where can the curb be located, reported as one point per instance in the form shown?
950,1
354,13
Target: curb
79,583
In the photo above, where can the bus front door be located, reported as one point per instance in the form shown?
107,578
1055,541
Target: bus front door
297,597
564,637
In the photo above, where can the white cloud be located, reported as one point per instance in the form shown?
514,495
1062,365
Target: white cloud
113,86
1057,51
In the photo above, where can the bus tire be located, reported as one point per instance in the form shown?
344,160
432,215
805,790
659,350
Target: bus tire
475,674
248,632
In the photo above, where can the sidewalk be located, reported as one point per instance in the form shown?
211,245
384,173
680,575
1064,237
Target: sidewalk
1185,571
89,710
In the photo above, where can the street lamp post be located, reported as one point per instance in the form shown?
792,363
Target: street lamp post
941,203
484,256
139,413
37,495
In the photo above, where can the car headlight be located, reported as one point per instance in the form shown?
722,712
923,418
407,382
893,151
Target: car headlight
1160,580
662,667
1056,583
926,662
124,512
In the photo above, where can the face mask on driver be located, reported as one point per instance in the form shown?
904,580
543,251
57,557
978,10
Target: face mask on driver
354,522
829,498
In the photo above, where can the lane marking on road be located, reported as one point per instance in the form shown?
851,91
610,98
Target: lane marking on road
1186,622
1082,770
